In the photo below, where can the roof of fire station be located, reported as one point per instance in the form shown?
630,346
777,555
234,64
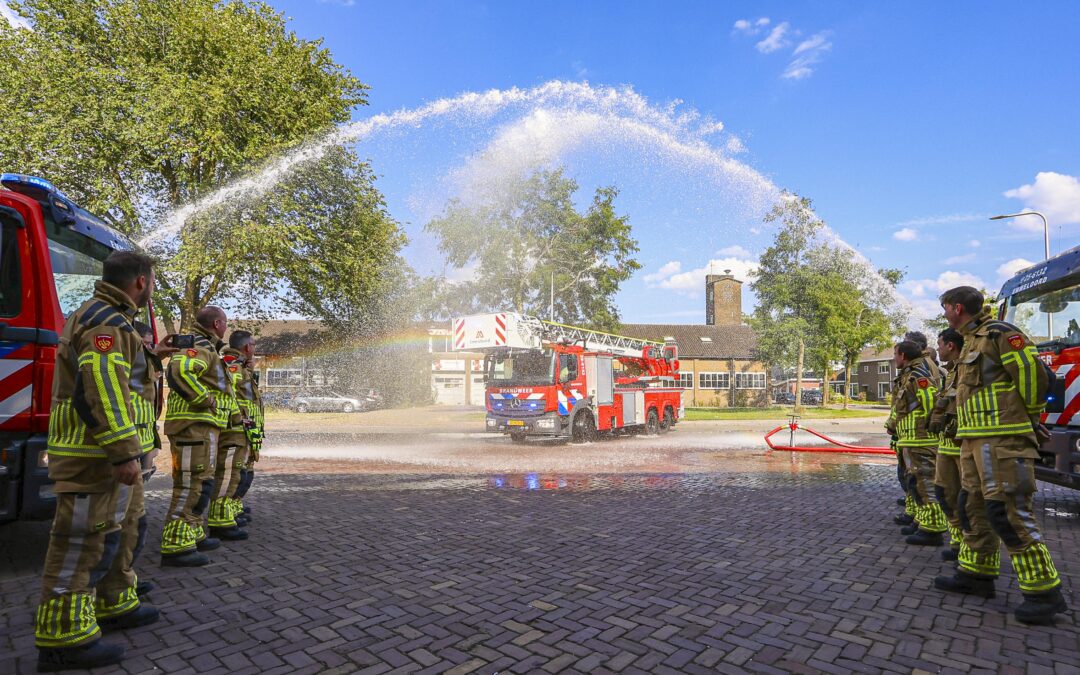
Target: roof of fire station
700,342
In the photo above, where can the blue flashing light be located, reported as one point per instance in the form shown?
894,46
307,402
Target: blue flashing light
32,186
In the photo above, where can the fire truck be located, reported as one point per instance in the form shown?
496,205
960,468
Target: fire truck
545,380
1044,301
51,253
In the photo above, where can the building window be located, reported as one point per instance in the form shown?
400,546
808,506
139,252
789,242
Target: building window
749,380
883,368
284,377
854,390
883,389
713,380
686,380
705,339
866,369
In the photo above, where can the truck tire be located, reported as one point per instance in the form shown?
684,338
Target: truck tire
668,421
519,438
584,430
652,423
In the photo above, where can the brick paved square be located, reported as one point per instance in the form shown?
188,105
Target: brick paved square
711,572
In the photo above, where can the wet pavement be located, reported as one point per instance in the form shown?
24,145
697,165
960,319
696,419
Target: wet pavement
455,552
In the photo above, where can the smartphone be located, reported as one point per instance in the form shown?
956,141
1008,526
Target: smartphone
183,341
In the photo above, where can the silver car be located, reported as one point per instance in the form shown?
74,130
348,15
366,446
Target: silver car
328,402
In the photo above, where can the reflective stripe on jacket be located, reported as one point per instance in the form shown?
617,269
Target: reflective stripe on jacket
914,403
199,389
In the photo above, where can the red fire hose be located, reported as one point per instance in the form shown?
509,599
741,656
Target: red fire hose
793,426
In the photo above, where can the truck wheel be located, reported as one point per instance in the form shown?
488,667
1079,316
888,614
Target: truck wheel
302,408
668,422
652,423
584,429
519,439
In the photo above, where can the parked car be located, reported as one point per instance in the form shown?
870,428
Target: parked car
784,398
326,402
811,397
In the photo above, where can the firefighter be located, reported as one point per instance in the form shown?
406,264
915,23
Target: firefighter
94,457
943,423
145,386
255,431
200,405
232,455
906,518
914,403
1000,392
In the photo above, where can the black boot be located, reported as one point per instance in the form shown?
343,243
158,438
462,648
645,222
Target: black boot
142,615
229,533
949,555
242,520
903,519
208,544
144,587
185,559
968,584
55,659
247,510
910,529
924,538
901,501
1040,608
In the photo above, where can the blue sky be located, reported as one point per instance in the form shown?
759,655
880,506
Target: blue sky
907,123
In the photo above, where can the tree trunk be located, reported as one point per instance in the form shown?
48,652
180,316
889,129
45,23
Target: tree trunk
798,374
825,390
847,380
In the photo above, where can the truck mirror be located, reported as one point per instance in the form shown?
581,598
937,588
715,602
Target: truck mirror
62,212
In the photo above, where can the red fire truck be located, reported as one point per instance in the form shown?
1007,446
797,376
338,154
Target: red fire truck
1044,301
51,253
547,380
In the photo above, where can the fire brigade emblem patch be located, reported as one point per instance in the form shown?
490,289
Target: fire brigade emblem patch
233,369
923,382
192,352
103,342
1017,341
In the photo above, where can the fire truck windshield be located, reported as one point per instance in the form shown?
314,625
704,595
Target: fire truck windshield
520,367
1048,315
76,263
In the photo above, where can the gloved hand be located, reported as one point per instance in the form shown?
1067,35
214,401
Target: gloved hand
936,424
1042,434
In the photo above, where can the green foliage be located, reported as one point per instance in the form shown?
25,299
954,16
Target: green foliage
517,245
135,107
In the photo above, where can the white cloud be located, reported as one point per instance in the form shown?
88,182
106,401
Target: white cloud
776,39
807,55
974,243
957,259
1007,269
692,282
736,251
580,71
664,272
12,18
943,219
748,27
932,288
905,234
1055,195
735,146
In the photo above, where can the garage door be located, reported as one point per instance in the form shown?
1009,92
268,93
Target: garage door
449,389
476,394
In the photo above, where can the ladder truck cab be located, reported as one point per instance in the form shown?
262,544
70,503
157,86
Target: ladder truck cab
547,380
1044,301
51,253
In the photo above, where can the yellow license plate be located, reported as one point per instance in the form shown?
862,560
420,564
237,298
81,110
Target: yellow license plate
516,423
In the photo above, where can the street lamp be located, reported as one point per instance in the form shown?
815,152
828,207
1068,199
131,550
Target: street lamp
1046,243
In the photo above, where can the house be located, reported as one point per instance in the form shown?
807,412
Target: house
874,374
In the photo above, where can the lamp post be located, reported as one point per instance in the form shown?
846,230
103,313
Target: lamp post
1046,244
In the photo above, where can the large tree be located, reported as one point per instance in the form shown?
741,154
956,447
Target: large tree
136,107
518,246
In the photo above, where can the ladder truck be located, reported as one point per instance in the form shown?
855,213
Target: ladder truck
1044,301
545,380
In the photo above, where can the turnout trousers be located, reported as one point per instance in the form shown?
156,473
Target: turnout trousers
231,456
94,540
997,492
194,458
920,476
947,490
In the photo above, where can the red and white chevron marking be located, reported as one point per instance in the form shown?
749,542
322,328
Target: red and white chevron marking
1072,395
16,388
500,329
459,333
